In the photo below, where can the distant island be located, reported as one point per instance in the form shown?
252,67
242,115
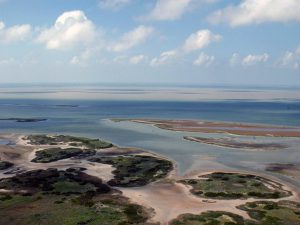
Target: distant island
24,120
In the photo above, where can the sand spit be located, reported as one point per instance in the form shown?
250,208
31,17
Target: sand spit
222,127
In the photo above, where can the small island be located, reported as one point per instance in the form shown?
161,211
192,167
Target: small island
24,120
219,185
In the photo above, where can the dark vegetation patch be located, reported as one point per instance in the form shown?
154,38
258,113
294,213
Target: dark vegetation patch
212,218
273,213
25,120
52,181
66,139
5,165
235,186
55,154
65,198
135,170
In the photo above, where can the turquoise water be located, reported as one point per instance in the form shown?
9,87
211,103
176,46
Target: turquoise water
91,119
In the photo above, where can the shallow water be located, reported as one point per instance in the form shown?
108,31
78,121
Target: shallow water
91,119
3,142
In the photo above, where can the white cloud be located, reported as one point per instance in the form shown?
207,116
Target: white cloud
290,59
120,59
164,58
204,60
169,10
14,33
132,39
70,29
258,11
84,58
9,61
113,4
250,60
235,59
195,41
199,40
137,59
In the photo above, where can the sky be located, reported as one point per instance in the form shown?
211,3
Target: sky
197,42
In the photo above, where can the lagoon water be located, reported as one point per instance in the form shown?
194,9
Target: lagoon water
91,119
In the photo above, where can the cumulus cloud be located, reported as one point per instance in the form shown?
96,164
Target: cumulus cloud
70,29
250,60
137,59
195,41
199,40
14,33
113,4
169,10
290,59
132,39
258,11
204,60
164,58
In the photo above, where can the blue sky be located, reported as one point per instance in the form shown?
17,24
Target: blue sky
232,42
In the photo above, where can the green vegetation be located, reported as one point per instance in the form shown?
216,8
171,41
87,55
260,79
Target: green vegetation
212,218
54,182
135,170
5,165
55,154
274,213
235,186
69,210
68,197
65,139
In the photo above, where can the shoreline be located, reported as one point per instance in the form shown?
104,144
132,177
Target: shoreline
161,196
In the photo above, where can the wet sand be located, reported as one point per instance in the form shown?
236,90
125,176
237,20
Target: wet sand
229,143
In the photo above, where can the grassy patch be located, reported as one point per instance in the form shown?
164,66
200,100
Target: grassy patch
5,165
235,186
135,170
55,154
211,218
69,197
66,139
51,209
54,181
277,213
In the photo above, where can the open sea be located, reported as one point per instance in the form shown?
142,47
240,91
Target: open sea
91,119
